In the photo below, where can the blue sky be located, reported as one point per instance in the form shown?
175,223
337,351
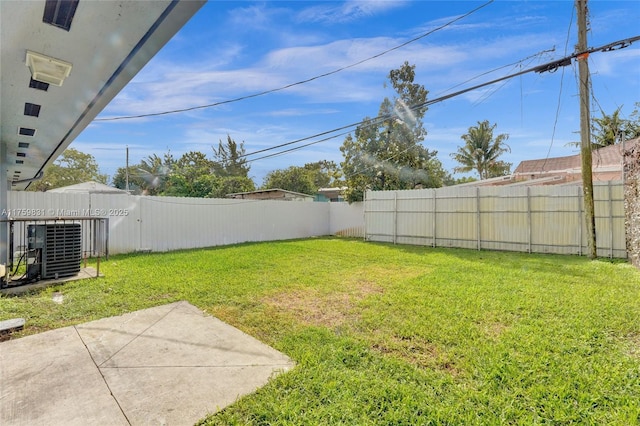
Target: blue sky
232,49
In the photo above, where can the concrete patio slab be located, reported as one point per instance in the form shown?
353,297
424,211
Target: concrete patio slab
51,379
13,289
168,365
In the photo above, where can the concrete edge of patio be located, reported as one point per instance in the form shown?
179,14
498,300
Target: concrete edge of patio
170,364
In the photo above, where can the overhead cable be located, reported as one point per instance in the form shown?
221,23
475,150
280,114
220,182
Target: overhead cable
555,121
295,148
266,92
546,67
503,66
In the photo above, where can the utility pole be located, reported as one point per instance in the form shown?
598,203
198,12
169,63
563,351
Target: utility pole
585,130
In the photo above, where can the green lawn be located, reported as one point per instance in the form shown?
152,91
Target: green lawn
386,334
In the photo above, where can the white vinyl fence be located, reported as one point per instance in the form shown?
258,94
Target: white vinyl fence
536,219
170,223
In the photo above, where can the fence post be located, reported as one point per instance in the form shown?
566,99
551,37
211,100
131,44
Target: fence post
610,219
395,216
435,192
478,220
529,224
141,223
579,220
364,215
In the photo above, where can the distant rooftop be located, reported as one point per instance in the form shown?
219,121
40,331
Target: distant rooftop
271,194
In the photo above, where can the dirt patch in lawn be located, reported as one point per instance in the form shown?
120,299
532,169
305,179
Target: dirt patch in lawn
633,350
493,330
417,351
321,308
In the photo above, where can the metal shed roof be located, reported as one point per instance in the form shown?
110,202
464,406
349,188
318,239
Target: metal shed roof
89,188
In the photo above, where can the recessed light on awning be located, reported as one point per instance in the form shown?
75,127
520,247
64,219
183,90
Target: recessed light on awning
26,131
47,69
32,110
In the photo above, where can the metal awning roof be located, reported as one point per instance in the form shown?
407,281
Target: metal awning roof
88,188
107,43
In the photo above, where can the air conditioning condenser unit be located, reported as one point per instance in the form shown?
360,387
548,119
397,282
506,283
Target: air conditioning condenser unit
54,250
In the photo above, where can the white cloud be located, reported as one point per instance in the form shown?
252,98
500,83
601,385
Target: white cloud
165,85
348,11
616,62
298,112
200,84
252,18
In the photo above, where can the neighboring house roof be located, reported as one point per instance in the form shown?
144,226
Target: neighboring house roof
606,159
547,165
338,188
89,188
269,194
496,181
332,192
606,166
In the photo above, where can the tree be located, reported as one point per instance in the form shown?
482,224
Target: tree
307,179
481,151
192,176
71,168
229,159
451,181
149,177
231,168
609,129
324,174
387,152
294,178
232,185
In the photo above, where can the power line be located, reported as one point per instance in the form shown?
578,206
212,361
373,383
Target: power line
546,67
266,92
501,67
296,148
519,64
555,122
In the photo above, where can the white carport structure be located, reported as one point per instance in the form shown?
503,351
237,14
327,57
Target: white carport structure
88,188
61,63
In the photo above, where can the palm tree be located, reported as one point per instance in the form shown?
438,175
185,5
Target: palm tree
481,151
